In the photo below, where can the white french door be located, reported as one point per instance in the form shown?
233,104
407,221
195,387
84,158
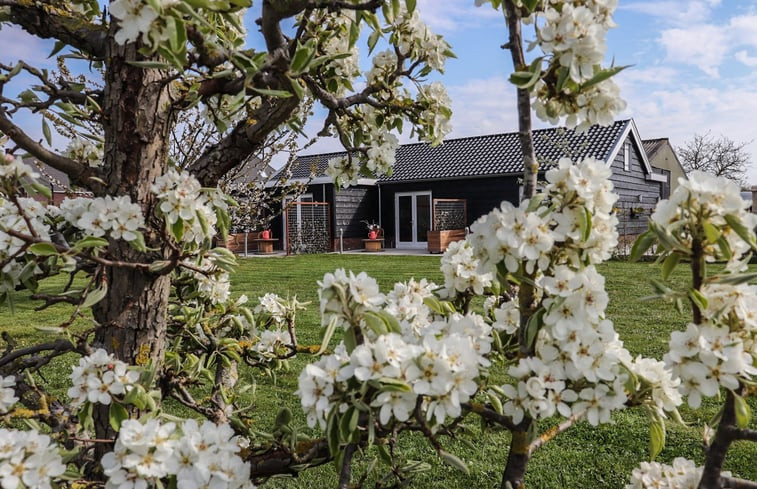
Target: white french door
412,218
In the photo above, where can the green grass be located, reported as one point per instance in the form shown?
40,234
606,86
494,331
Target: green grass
582,457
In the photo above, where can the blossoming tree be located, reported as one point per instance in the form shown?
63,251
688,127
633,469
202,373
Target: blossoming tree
413,360
149,225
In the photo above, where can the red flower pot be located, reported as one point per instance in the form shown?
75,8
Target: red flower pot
372,234
266,234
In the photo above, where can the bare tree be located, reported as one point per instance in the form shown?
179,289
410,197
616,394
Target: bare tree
721,156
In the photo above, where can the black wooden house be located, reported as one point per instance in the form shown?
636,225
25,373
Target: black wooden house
477,172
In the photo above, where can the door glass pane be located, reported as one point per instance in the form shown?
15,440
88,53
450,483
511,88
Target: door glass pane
405,215
423,221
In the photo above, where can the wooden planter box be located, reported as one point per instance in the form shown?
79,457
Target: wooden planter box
439,240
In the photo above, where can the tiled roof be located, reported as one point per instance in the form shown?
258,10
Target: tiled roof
496,154
651,146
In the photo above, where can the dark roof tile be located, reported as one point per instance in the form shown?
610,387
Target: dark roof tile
495,154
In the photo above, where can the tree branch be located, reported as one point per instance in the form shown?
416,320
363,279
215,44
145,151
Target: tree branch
57,347
736,483
49,22
78,173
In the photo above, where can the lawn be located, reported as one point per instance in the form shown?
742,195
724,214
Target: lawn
582,457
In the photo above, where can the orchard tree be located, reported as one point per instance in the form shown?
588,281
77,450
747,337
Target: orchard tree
722,157
150,221
415,359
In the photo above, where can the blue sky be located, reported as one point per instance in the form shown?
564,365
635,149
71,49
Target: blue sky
694,68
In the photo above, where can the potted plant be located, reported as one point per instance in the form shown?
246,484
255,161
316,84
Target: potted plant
373,229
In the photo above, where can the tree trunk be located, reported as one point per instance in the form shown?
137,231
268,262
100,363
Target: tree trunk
136,124
519,454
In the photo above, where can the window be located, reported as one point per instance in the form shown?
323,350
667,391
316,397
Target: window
627,157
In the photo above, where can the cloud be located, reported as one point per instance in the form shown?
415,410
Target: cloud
19,45
704,46
743,30
677,13
746,59
455,15
678,111
483,106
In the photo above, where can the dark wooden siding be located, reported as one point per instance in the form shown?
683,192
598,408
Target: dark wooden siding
482,195
352,205
635,193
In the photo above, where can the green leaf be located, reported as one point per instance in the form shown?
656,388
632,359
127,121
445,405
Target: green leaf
327,334
741,410
46,131
641,245
744,232
711,232
384,454
533,326
350,340
698,299
95,296
669,264
157,65
733,278
90,242
301,59
57,48
390,384
602,75
117,414
496,402
410,4
656,436
177,229
453,461
332,432
375,322
42,249
348,423
272,93
284,417
585,224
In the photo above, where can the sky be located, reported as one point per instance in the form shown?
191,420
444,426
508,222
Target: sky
693,68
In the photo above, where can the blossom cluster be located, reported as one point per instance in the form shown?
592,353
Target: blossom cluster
148,21
434,359
719,352
14,168
557,243
682,474
273,311
704,197
115,217
99,377
135,19
414,39
28,459
196,455
462,271
337,25
17,217
85,151
571,34
707,357
576,347
7,393
189,210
